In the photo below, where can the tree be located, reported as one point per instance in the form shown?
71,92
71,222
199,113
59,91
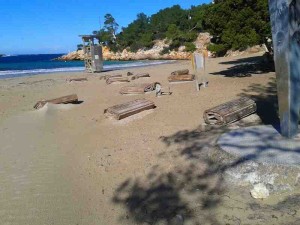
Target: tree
237,24
137,34
111,26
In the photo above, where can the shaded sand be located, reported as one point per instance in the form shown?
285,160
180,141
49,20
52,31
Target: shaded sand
71,165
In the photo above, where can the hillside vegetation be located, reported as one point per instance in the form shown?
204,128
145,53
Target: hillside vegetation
234,24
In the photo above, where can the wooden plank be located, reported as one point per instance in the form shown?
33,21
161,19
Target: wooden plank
77,79
176,78
180,72
129,108
138,88
230,111
117,79
137,76
62,100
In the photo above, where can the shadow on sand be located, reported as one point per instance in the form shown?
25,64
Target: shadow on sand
193,190
247,67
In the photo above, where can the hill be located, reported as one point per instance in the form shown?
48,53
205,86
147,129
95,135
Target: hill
234,25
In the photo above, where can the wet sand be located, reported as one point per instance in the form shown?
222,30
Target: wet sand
71,165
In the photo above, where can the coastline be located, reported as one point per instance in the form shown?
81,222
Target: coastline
110,65
71,164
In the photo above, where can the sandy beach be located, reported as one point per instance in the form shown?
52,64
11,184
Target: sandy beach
69,164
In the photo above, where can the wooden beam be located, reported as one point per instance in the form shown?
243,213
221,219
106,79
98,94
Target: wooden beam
180,72
116,79
62,100
129,108
230,111
176,78
138,88
77,79
137,76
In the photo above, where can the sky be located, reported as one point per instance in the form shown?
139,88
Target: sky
53,26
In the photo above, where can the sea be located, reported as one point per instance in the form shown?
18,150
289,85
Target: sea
27,65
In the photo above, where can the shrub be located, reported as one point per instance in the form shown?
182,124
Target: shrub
190,47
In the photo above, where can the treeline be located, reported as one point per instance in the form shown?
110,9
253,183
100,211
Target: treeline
234,24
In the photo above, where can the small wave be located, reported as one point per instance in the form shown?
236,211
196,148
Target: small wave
39,71
6,56
20,73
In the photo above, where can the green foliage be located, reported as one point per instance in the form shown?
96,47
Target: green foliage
218,49
235,24
137,35
190,47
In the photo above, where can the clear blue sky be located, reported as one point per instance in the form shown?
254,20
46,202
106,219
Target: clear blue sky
53,26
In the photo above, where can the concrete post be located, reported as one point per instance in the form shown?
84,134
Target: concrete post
285,21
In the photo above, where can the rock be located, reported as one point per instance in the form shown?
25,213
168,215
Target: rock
260,191
177,220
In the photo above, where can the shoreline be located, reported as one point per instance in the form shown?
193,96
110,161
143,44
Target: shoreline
115,67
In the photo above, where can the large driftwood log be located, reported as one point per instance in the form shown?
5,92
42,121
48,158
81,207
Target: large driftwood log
117,79
129,108
230,111
138,88
176,78
180,72
62,100
137,76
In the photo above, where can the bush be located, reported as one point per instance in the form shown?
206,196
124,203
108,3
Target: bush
218,49
190,47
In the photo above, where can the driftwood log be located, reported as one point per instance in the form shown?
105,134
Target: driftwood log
138,88
116,79
230,111
77,79
62,100
176,78
130,108
180,72
137,76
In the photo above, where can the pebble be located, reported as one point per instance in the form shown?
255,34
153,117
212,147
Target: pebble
260,191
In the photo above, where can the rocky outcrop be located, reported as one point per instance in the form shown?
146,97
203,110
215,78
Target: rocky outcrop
250,50
202,41
76,55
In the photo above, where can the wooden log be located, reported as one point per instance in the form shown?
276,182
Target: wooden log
138,88
176,78
62,100
230,111
109,76
77,79
180,72
117,79
137,76
129,108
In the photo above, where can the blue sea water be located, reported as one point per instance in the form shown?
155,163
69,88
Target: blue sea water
27,65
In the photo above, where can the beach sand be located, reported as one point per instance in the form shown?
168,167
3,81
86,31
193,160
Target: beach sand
69,164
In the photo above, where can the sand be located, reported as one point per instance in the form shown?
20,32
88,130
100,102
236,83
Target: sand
71,165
